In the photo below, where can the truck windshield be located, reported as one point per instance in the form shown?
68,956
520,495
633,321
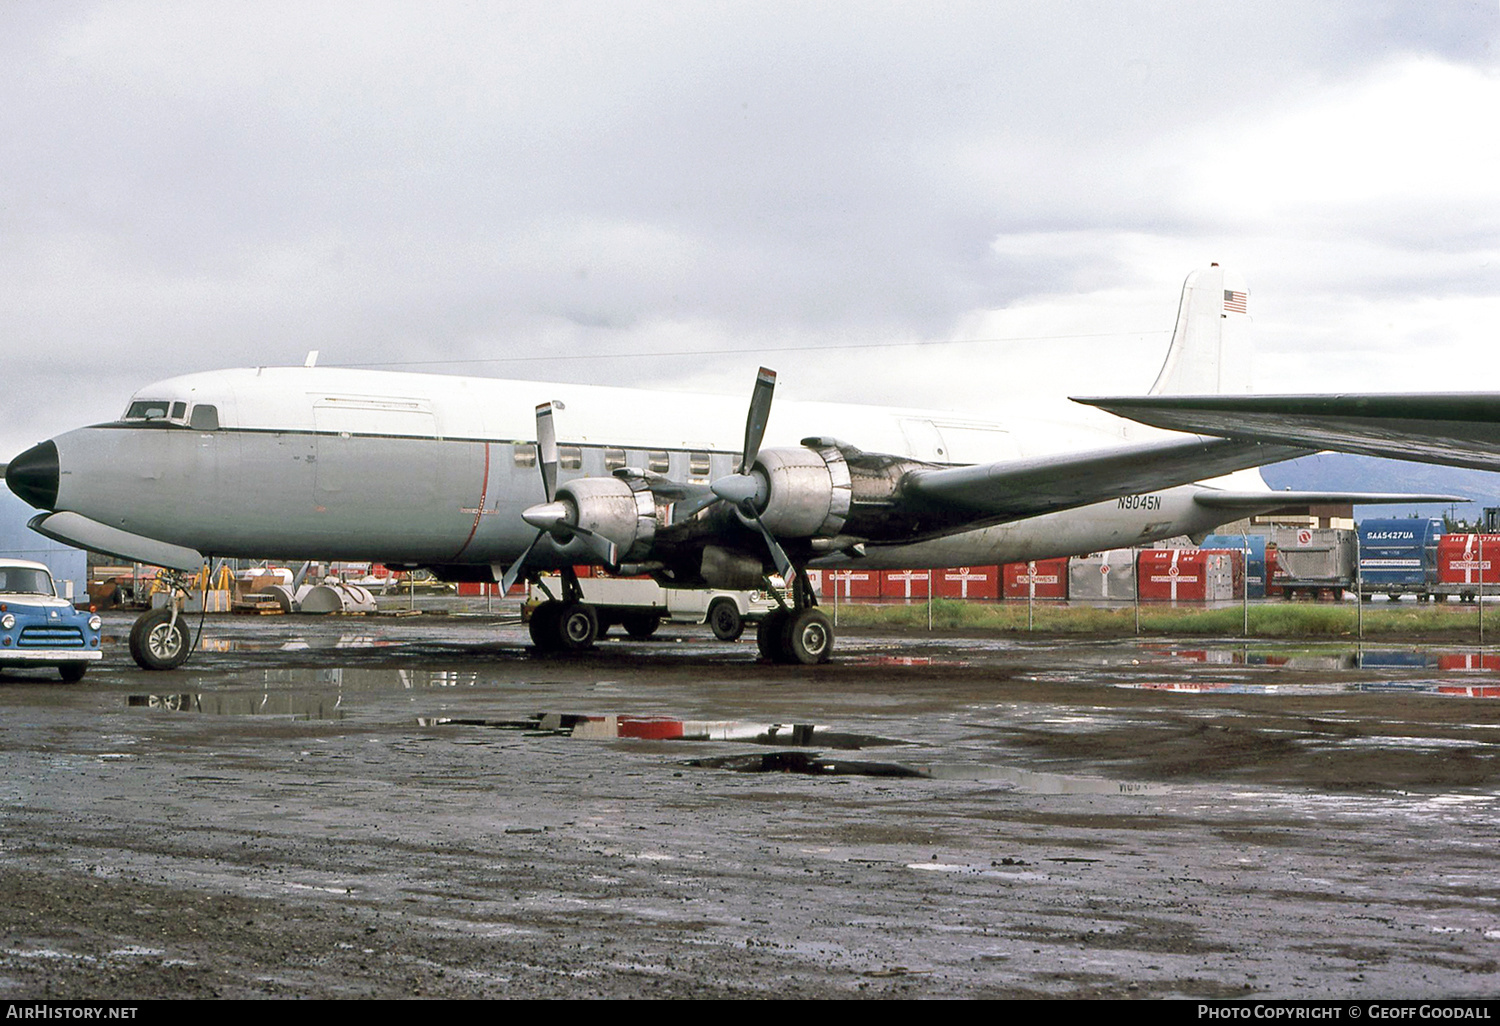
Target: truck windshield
19,580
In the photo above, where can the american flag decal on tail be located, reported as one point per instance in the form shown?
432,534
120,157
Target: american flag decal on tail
1234,302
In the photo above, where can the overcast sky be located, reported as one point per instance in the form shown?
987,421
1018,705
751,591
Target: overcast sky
813,186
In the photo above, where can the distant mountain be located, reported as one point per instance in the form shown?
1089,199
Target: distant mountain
1346,473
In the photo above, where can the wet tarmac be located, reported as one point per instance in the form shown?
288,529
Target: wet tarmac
388,806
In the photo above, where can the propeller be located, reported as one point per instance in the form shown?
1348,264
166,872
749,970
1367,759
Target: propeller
745,490
552,516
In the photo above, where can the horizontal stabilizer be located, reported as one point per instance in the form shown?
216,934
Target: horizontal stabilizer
81,532
1460,429
1015,489
1265,502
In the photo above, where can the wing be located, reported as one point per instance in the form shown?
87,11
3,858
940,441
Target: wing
1460,429
1014,489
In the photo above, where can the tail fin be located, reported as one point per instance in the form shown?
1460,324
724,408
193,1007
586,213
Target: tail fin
1210,352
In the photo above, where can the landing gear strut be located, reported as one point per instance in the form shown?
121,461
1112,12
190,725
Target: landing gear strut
801,634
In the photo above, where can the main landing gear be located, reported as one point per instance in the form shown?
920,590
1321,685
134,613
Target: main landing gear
802,634
568,624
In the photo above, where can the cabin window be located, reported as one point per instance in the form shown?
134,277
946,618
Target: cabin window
205,418
659,462
698,466
614,459
570,457
525,455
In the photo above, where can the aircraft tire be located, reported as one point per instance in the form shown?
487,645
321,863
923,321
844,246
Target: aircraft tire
770,634
543,626
72,673
158,644
577,626
641,626
808,638
725,621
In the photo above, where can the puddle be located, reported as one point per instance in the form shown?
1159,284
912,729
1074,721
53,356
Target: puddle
805,762
296,643
670,728
1432,687
813,764
300,705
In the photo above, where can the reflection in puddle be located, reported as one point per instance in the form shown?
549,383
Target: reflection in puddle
1331,658
670,728
811,763
805,762
1203,687
302,705
293,644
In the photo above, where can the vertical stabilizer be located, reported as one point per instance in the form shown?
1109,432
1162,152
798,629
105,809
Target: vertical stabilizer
1210,350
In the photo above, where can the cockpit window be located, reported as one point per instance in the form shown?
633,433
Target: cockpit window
179,410
205,418
148,409
20,580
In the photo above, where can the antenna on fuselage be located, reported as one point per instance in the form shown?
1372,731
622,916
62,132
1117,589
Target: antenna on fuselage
312,358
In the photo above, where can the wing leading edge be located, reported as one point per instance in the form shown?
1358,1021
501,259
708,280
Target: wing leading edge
1459,429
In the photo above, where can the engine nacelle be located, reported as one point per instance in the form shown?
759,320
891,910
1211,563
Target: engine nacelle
807,492
622,511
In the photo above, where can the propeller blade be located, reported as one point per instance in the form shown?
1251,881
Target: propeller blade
546,449
513,572
602,546
760,413
778,554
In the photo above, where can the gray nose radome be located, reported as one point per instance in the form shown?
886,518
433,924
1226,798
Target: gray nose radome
33,475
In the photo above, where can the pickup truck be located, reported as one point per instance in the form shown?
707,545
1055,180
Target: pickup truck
39,628
640,605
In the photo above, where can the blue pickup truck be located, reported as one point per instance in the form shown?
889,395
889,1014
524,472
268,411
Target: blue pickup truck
37,628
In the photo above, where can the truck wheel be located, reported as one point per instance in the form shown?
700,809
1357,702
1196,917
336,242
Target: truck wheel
72,672
158,644
725,621
641,626
577,626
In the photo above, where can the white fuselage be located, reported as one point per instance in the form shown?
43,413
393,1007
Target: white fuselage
411,468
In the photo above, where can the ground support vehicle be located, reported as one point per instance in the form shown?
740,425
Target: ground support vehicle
1310,562
1399,557
39,628
639,605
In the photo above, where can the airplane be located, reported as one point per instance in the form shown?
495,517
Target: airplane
449,473
1460,429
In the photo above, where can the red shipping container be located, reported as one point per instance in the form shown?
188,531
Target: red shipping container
1189,575
905,584
1459,559
851,584
1038,578
968,582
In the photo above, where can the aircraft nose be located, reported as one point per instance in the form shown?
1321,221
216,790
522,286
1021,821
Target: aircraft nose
33,475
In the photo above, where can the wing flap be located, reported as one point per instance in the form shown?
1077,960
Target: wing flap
1266,502
1460,429
1016,489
